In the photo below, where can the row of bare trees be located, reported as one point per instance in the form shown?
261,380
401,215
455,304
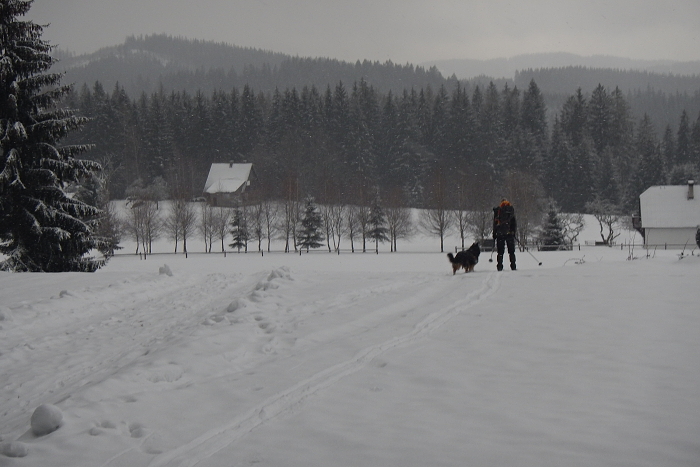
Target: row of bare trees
465,209
261,223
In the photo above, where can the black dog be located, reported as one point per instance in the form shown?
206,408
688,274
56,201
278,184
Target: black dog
466,259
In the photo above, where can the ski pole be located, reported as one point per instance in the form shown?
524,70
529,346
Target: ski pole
528,251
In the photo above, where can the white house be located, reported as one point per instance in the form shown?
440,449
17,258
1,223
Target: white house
670,215
227,183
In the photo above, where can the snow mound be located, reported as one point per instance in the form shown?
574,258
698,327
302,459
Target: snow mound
46,419
163,372
5,314
235,305
14,449
165,269
280,273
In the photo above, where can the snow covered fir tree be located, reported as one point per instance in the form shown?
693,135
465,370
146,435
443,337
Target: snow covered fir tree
552,235
239,230
42,229
377,221
309,235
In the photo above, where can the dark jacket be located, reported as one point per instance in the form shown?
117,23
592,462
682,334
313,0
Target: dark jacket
504,223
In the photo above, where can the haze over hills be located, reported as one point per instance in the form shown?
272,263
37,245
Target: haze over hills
507,67
143,64
148,64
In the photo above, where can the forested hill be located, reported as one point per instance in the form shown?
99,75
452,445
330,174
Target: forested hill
145,64
560,80
662,96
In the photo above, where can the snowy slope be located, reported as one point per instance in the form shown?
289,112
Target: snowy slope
356,359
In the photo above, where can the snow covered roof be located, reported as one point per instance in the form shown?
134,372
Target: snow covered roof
227,178
669,207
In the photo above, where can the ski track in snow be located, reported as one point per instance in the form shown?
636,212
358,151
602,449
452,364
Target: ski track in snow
134,325
291,399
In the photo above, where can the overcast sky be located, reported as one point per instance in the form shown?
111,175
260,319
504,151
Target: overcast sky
403,31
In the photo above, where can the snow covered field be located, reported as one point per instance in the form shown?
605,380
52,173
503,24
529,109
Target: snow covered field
356,360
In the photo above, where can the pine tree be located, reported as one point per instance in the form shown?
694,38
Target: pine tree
668,148
490,140
552,236
650,169
239,230
599,119
695,143
158,137
683,141
574,117
309,236
534,113
534,129
41,228
460,126
377,221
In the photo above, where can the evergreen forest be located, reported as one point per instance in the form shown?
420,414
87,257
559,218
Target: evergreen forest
420,147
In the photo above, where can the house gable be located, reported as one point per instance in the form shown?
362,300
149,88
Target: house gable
669,207
227,182
227,178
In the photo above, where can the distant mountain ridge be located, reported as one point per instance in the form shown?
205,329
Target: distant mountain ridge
145,63
149,64
508,67
180,53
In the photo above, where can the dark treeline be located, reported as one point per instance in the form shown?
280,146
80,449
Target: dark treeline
663,96
149,63
556,80
154,62
422,146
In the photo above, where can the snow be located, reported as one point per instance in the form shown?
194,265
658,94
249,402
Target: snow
227,178
46,419
356,359
669,207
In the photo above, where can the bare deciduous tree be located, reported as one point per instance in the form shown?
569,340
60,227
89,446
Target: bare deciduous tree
437,222
438,218
480,201
362,216
188,223
460,213
181,222
325,211
270,211
526,194
222,217
351,225
290,216
608,219
338,224
573,225
144,224
206,226
398,218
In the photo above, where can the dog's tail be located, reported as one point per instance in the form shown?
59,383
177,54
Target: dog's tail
451,257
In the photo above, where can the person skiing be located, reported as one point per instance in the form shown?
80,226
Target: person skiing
504,228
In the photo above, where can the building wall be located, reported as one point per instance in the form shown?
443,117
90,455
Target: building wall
670,238
226,200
